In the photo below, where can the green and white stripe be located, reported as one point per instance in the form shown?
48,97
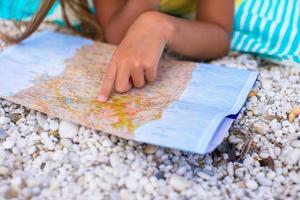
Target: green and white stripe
269,28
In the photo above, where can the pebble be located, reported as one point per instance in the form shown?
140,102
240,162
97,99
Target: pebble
47,141
9,143
275,125
261,127
3,134
68,129
131,183
150,149
11,193
267,84
149,188
296,143
4,171
179,183
251,184
74,160
53,125
271,175
66,142
295,177
114,160
4,120
15,117
41,119
292,156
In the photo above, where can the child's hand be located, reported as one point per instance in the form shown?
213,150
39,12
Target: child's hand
136,59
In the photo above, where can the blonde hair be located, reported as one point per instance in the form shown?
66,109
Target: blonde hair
88,24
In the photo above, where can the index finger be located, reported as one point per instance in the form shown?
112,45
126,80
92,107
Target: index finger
108,82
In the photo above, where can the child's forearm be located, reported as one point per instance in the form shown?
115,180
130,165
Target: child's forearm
196,39
118,25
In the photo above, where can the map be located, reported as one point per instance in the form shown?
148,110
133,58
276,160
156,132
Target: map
190,106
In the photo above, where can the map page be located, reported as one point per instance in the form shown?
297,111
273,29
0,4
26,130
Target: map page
190,106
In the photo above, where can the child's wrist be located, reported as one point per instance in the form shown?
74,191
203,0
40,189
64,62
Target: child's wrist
159,24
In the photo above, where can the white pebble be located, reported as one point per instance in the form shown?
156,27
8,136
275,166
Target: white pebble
179,183
295,177
131,183
114,160
41,119
68,129
4,171
275,125
66,142
4,120
271,175
9,143
74,160
54,125
251,184
267,84
292,156
261,127
296,143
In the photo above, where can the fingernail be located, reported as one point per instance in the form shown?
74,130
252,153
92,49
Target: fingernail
102,98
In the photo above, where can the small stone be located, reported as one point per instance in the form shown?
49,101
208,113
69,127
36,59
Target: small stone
68,129
3,134
261,127
114,160
267,85
4,171
271,175
46,127
262,180
150,149
47,141
9,143
54,134
296,143
179,183
293,114
31,150
58,155
66,142
131,183
149,188
267,162
292,156
11,193
251,184
278,133
74,160
275,125
15,117
126,195
54,125
4,120
248,162
295,177
41,119
107,143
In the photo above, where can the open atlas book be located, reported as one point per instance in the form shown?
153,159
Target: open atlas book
190,107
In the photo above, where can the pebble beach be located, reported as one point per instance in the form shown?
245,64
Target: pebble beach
47,158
